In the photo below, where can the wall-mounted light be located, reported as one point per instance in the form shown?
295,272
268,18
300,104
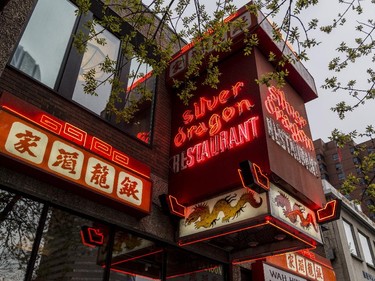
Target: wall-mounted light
253,244
280,237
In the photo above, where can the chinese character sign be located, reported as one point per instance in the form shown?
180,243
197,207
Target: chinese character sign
100,175
304,266
129,188
27,143
66,160
47,152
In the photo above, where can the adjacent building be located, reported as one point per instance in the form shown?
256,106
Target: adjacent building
349,241
337,163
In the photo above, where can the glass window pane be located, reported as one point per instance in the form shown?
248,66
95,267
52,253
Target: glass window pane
140,89
92,58
66,251
350,238
42,46
366,248
198,267
19,219
135,258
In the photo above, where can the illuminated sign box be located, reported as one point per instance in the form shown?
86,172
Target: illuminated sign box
243,121
305,264
250,225
219,129
58,148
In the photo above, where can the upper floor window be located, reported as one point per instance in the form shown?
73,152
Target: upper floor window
319,157
322,167
46,53
352,150
356,160
352,243
341,176
366,249
335,156
338,167
41,50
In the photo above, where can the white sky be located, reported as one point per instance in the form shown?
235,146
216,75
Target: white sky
322,120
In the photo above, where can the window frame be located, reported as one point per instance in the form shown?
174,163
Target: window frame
71,62
353,238
367,239
341,176
47,206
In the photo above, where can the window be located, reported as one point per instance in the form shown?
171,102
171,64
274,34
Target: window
350,238
41,51
19,223
92,58
356,160
45,52
322,167
42,242
62,254
341,176
319,157
366,249
335,156
338,167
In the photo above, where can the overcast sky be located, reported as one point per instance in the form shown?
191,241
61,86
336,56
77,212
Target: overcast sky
322,119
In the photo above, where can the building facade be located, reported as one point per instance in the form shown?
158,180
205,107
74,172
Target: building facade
337,163
349,241
195,192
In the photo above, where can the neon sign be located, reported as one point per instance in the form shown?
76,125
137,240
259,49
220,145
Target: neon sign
277,105
30,136
72,134
92,237
207,118
330,212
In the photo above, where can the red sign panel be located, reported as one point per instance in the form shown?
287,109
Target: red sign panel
305,264
219,129
43,150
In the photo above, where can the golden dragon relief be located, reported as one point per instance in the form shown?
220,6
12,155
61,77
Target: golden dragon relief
201,215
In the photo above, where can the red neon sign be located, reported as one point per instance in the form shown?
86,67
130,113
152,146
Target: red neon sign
252,177
277,105
175,207
223,141
207,118
72,133
215,122
92,237
330,212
